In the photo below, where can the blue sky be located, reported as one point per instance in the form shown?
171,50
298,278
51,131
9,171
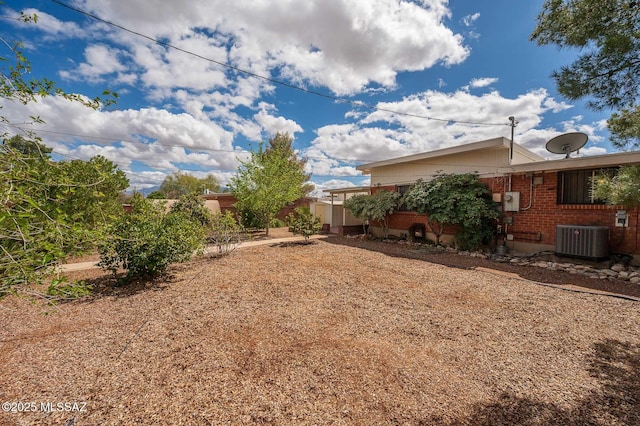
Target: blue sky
467,65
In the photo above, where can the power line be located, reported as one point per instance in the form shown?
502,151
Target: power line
343,160
270,79
114,139
481,170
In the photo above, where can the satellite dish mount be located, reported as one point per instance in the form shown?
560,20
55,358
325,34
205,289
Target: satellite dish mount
567,143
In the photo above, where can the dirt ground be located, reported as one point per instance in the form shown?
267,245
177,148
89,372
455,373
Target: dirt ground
335,332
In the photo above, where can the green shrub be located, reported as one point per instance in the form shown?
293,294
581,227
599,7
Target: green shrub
61,289
192,205
248,219
376,207
456,199
225,232
147,241
301,221
276,223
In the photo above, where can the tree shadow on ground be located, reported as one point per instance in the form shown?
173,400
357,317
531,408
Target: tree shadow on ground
107,284
293,243
616,367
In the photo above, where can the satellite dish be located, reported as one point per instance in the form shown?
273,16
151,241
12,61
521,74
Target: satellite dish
567,143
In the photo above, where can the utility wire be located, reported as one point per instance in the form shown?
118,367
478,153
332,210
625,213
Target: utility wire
344,160
270,79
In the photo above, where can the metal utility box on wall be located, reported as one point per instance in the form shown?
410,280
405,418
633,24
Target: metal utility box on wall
622,219
511,201
582,241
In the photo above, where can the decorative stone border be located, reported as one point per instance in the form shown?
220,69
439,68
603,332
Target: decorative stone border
617,271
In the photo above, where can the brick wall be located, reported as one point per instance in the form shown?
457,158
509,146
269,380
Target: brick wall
535,223
538,222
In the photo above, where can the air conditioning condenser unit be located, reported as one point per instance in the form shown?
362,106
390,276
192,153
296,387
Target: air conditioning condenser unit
582,241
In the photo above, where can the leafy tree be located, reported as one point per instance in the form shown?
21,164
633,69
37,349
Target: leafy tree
360,206
16,86
38,226
93,197
303,222
51,210
178,184
608,70
156,195
148,240
270,179
248,217
376,207
124,198
30,148
622,188
455,199
625,127
384,204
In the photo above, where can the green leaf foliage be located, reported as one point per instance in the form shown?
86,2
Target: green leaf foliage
622,188
148,240
48,210
61,289
269,180
625,127
360,206
51,210
376,207
456,199
607,72
302,222
192,205
178,184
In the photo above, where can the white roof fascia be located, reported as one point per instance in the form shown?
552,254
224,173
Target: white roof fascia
495,143
593,161
348,190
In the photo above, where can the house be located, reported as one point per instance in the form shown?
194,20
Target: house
540,199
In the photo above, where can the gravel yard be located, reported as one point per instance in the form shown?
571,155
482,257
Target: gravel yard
324,333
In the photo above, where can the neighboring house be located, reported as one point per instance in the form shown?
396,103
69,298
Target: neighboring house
212,205
224,199
535,195
333,214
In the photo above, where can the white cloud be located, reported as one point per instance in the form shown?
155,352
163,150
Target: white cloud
145,179
272,124
482,82
155,137
50,25
101,60
381,135
555,106
320,187
204,110
369,41
470,19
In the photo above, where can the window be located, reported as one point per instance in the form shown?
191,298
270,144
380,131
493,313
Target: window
575,186
403,189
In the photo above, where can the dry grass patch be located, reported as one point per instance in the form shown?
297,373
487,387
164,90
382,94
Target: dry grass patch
326,334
